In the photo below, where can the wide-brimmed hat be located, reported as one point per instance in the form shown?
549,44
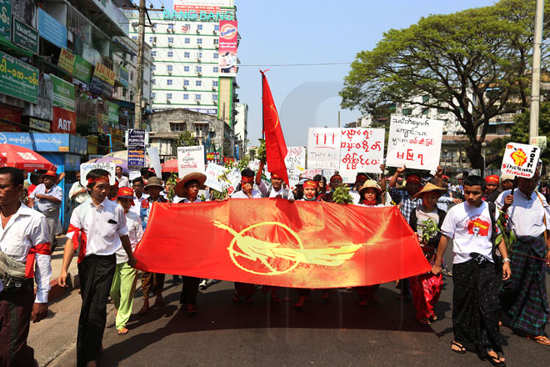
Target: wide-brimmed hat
429,187
370,184
180,186
154,182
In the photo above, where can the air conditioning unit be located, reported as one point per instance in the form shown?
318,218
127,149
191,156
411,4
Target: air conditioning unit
170,45
169,72
154,43
198,59
198,32
215,102
199,46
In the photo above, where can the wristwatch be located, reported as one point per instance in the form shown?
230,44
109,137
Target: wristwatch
506,260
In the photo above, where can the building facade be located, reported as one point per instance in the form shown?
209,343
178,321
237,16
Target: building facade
241,129
186,59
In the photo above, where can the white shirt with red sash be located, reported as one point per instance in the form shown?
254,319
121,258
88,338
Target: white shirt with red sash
26,239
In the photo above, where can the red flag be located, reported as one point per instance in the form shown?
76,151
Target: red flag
275,146
276,242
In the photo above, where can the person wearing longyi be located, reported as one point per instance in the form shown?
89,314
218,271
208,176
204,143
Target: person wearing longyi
24,259
98,229
188,189
47,198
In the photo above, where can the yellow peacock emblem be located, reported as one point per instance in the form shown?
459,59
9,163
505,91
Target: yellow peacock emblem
276,259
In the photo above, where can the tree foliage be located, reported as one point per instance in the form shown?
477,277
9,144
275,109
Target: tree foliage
475,64
186,139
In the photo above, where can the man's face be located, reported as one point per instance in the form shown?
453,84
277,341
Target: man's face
429,200
276,182
246,187
118,171
473,194
154,192
490,187
48,181
192,191
9,193
138,187
125,203
528,185
99,191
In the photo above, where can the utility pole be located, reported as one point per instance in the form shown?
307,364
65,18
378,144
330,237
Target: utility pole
141,43
535,82
339,121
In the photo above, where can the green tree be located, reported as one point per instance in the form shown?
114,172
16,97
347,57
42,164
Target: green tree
186,139
473,64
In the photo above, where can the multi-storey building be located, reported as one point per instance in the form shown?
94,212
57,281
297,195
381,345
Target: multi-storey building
241,129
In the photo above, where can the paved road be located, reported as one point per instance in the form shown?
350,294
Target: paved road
339,333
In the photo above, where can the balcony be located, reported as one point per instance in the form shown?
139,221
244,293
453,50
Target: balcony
105,14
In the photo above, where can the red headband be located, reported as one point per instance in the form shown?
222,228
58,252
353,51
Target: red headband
103,179
335,177
310,184
492,179
275,175
413,179
246,179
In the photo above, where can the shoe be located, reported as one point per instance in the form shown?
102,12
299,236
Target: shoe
458,348
122,331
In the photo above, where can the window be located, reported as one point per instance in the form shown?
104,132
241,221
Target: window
170,53
199,27
153,67
199,54
199,41
169,67
186,96
170,39
217,27
187,54
171,27
215,83
169,95
187,40
442,111
198,69
153,95
214,97
131,76
198,97
154,53
216,55
186,82
198,83
169,82
177,126
151,39
215,69
425,99
153,81
186,68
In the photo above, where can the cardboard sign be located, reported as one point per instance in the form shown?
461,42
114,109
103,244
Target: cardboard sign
414,143
295,161
154,159
190,159
87,167
520,160
323,148
214,173
361,150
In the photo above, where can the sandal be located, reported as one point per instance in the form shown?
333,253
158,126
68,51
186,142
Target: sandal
497,360
122,331
425,322
541,339
457,347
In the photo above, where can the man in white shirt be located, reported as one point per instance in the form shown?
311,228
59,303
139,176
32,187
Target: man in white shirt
122,180
47,200
24,257
277,189
139,195
475,276
525,300
247,190
98,228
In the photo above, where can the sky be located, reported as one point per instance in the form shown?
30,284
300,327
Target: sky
312,32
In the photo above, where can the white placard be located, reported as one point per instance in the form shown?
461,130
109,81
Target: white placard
361,150
87,167
323,148
133,175
414,143
190,159
295,162
214,173
520,160
233,179
154,160
312,172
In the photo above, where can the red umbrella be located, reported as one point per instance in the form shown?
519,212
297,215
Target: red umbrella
170,165
23,158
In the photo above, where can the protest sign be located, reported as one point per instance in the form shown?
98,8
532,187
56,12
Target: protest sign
323,148
87,167
295,162
190,159
214,173
154,159
312,172
361,150
520,160
414,143
136,149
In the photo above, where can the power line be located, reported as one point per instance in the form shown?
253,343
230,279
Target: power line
293,65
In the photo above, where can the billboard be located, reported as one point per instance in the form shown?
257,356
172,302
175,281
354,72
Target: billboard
228,44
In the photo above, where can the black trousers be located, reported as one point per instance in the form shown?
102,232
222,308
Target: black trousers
189,290
15,315
96,276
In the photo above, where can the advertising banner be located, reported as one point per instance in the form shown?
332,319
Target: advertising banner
190,159
82,69
228,44
18,79
63,121
39,125
323,148
520,160
361,150
5,19
136,149
295,161
87,167
25,36
66,60
414,143
50,29
104,73
63,94
278,243
113,113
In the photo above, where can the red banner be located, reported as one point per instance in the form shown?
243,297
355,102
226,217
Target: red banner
63,121
277,242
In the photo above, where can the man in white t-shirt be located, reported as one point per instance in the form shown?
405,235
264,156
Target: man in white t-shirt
475,275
